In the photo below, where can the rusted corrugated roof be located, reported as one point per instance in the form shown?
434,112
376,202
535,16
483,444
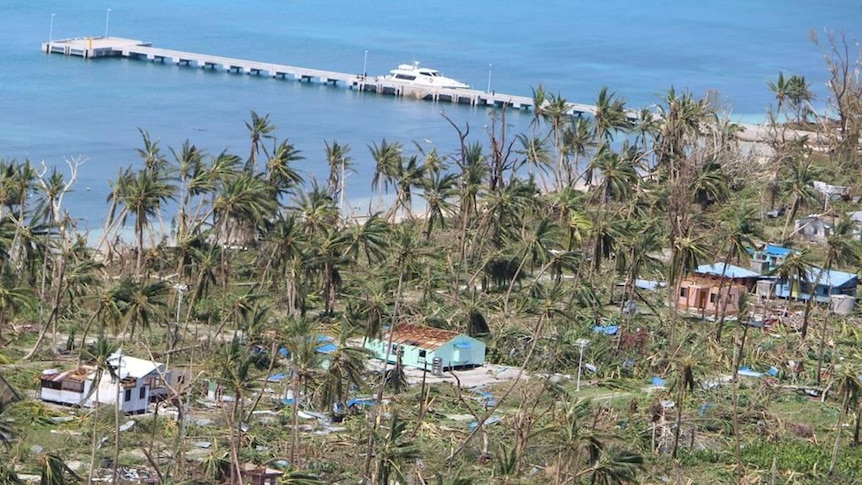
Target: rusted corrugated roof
78,374
423,337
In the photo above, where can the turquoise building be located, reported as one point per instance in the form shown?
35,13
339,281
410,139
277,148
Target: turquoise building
420,345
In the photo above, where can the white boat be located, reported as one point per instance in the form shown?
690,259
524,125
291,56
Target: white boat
424,76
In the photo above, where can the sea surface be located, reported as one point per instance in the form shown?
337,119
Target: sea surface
54,108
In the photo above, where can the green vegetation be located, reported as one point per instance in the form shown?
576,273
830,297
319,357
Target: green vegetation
527,244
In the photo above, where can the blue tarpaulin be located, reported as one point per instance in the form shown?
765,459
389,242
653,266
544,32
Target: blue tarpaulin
658,382
747,372
327,349
361,401
607,329
488,422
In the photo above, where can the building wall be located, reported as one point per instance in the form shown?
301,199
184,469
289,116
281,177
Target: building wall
704,298
788,289
64,396
462,351
136,403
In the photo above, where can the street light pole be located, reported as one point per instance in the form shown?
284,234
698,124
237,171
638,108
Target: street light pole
489,77
582,344
107,21
51,29
365,65
180,288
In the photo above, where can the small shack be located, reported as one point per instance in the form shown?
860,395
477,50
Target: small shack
419,346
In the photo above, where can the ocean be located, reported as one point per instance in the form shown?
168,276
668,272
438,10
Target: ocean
54,108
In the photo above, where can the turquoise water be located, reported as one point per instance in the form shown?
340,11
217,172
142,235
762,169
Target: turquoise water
52,108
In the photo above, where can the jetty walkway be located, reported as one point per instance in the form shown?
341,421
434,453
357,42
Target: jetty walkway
101,47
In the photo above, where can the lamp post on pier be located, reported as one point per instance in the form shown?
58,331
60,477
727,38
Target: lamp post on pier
51,28
365,65
489,77
107,21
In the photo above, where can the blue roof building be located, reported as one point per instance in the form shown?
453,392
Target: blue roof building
823,283
769,257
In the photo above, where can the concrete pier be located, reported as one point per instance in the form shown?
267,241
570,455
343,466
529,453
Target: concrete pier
107,47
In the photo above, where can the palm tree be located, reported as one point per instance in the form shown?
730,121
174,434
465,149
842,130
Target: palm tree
796,270
619,177
616,466
328,255
556,112
740,226
243,204
639,246
189,165
142,196
573,437
410,174
539,100
99,355
842,250
369,239
472,169
339,162
387,160
304,362
610,116
55,471
393,452
686,254
346,366
798,184
710,185
234,366
536,156
781,89
259,128
282,252
577,141
7,437
799,97
849,388
535,246
12,297
143,302
407,254
437,190
282,177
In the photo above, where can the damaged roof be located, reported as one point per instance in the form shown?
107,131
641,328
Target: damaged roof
423,337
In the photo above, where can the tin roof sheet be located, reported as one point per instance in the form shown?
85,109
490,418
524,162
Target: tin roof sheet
423,337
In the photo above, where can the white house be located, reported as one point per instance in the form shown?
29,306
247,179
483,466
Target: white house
813,228
139,380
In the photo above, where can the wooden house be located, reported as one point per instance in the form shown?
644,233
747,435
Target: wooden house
419,346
